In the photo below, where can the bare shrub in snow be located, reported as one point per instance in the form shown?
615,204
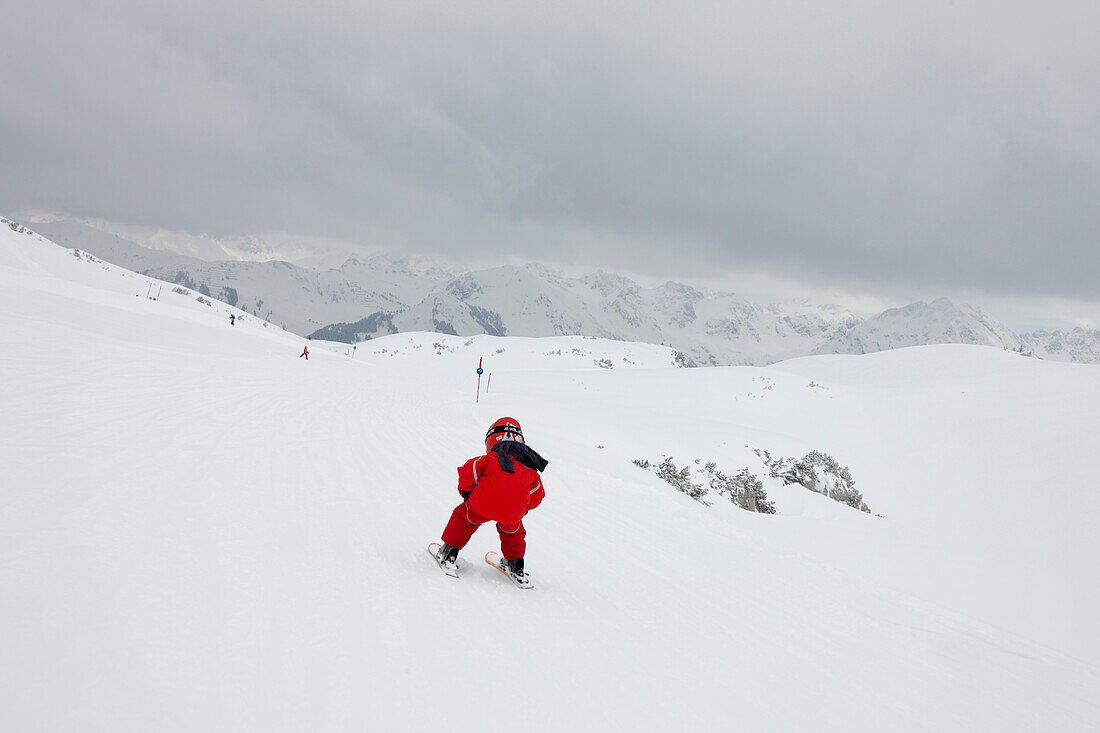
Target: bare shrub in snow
181,291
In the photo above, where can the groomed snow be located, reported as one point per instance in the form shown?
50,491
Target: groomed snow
200,530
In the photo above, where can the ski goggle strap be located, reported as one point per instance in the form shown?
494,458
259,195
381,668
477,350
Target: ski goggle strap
513,429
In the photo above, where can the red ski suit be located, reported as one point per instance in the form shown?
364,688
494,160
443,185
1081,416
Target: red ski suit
494,494
499,495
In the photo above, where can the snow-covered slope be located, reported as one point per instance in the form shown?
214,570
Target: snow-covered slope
200,530
299,297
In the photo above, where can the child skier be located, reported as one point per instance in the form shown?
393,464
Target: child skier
502,485
305,353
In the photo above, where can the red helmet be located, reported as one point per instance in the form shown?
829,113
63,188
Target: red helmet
506,428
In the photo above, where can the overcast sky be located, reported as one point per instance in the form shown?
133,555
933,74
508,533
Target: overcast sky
895,150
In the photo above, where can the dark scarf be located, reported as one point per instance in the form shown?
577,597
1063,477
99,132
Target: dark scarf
506,450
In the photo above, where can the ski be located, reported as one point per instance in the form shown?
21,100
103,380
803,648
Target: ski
495,559
450,569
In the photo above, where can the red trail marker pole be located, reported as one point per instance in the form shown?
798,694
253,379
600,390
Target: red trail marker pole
480,371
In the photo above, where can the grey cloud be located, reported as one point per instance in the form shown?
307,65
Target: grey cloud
930,147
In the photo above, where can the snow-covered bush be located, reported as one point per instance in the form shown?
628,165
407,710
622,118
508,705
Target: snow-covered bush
745,489
818,472
17,227
680,478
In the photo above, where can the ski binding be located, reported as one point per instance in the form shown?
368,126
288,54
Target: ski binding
449,568
497,561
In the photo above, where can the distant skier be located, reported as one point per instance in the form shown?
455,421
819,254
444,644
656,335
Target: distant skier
502,485
305,353
232,318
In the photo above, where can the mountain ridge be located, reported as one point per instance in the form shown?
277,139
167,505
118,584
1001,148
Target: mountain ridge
376,295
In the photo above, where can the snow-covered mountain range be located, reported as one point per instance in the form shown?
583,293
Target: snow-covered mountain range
918,324
368,297
1080,345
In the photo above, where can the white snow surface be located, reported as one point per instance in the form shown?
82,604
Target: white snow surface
200,530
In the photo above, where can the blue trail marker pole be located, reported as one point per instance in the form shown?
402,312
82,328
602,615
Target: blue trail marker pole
480,371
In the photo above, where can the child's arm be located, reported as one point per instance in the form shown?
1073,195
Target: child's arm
538,493
469,473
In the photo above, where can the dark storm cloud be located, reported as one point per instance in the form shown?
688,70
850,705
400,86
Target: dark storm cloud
931,146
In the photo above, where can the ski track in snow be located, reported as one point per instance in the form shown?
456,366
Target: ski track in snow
201,531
